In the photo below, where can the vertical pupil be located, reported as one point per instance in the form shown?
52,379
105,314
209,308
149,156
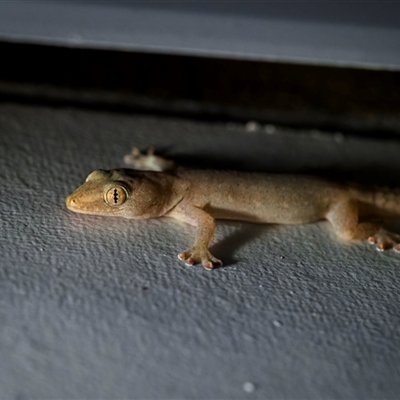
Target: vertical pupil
115,196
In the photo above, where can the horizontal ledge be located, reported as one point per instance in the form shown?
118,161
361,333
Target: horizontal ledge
361,35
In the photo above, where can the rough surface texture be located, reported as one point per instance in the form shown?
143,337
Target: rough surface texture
96,307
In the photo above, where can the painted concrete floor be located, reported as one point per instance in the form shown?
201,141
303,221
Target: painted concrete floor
94,307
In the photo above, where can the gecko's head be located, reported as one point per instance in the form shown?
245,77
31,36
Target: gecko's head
104,192
125,193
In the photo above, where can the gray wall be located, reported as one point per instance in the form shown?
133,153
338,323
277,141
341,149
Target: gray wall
95,307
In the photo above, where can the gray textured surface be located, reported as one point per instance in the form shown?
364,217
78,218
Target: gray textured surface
94,307
361,34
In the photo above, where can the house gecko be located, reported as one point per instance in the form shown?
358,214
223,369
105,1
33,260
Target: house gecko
199,197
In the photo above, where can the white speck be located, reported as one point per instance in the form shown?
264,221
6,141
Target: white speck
277,323
270,129
249,387
252,126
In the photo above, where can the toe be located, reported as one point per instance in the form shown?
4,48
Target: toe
189,261
216,261
383,246
208,265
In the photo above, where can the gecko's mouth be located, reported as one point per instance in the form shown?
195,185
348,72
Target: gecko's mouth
73,205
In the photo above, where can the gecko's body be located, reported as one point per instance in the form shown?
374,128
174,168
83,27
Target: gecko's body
198,197
257,197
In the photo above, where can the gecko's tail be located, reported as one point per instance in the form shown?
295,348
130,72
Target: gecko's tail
379,201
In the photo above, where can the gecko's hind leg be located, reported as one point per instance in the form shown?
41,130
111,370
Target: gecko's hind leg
345,221
149,161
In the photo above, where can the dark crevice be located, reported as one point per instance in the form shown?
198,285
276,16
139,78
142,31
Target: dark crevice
351,100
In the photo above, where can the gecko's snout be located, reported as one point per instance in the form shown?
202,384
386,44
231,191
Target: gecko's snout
70,202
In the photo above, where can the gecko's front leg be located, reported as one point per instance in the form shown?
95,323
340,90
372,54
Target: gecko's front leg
205,224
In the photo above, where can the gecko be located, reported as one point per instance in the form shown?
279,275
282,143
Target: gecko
157,188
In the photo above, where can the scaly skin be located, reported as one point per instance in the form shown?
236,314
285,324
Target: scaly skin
199,197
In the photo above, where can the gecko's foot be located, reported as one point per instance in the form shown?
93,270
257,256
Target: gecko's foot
385,240
196,256
149,161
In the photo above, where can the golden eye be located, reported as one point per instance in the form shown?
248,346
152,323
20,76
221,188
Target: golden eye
116,196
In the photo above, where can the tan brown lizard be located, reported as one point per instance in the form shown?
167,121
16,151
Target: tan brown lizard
198,197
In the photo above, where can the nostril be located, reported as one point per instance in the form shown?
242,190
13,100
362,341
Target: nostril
69,200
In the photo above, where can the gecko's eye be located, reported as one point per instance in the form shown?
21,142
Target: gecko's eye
116,196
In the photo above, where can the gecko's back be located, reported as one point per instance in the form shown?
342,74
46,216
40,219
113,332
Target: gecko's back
264,198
